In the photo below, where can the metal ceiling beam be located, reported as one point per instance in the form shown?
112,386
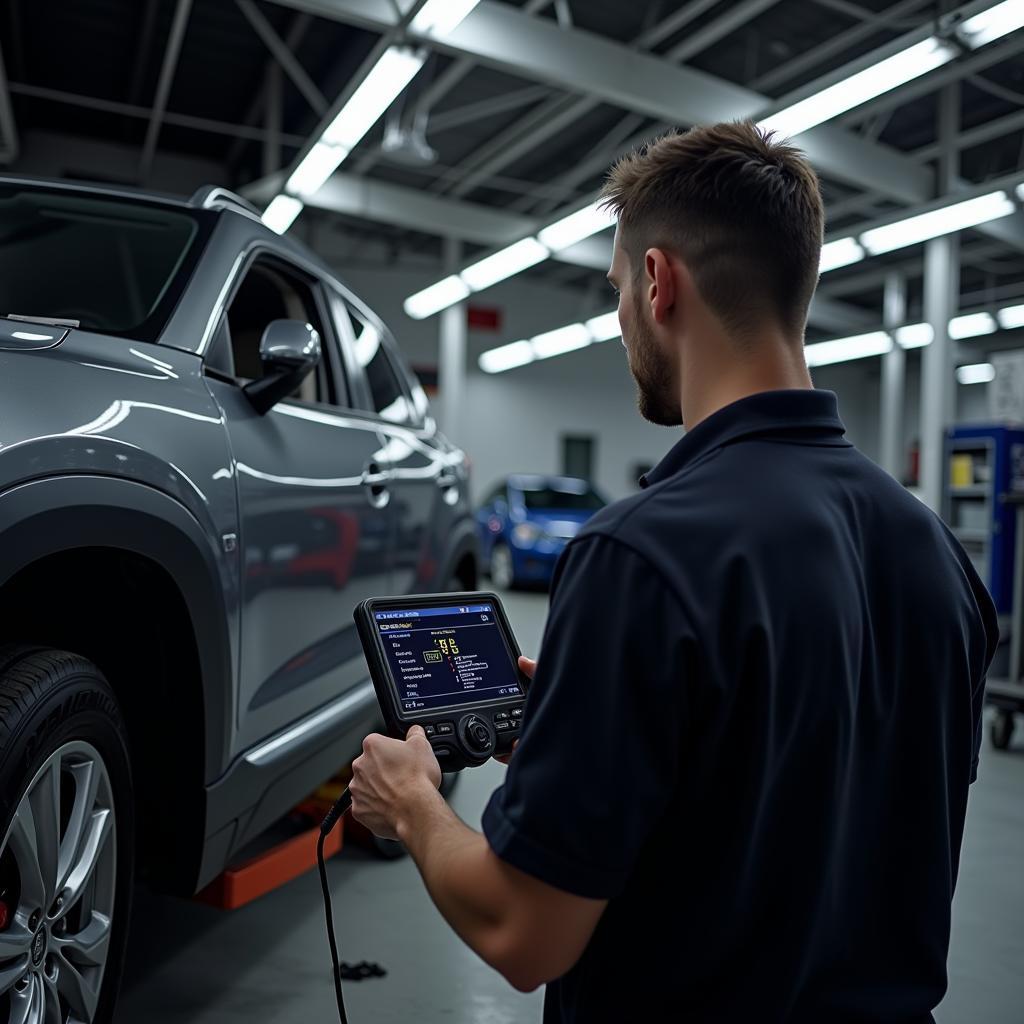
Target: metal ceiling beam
439,88
501,36
163,88
296,30
821,54
401,207
284,56
986,132
729,21
528,133
955,72
673,23
8,128
470,112
203,124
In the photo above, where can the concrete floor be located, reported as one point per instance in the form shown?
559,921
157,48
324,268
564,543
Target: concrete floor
268,963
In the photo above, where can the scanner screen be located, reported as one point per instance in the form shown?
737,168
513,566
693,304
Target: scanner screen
447,656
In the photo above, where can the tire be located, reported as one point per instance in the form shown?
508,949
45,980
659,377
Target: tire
64,757
1001,730
503,574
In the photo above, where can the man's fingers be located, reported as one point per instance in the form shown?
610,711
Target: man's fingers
528,666
416,730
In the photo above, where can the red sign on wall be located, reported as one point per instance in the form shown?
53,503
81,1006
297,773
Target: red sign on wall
483,318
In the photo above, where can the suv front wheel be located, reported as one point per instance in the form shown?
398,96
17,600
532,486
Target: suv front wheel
67,857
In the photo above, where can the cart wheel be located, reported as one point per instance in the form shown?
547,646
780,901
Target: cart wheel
1001,730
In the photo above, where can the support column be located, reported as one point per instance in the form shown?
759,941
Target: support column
941,299
941,290
451,367
894,364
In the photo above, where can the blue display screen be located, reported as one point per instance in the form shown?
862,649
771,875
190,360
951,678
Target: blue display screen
447,656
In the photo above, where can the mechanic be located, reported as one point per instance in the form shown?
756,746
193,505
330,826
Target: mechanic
741,786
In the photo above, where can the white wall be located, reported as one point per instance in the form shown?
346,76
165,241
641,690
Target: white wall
517,419
514,421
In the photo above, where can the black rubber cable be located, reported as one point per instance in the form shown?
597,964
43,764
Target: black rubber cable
327,825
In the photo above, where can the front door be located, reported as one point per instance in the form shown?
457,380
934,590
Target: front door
314,540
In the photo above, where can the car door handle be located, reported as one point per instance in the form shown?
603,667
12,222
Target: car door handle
375,482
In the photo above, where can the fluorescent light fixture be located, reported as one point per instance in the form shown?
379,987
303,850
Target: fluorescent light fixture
281,212
576,226
840,253
971,325
561,340
378,90
976,373
504,263
518,353
439,17
865,85
992,24
604,327
876,343
967,214
437,297
1010,317
914,335
315,168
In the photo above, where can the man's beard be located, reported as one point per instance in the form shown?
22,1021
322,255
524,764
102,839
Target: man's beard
655,373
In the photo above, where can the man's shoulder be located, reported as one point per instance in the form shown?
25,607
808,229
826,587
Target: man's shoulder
631,519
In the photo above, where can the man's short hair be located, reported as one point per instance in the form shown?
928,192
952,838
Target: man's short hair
742,211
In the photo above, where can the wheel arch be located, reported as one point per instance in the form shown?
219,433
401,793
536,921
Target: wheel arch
123,574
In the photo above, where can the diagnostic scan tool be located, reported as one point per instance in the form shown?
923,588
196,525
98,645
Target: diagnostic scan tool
447,662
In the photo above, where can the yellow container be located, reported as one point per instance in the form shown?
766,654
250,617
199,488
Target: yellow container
961,471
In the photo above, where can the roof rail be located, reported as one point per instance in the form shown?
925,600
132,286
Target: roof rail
213,197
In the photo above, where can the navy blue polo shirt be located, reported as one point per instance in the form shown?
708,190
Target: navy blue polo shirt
754,723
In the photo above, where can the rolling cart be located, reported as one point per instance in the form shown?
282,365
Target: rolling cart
1007,695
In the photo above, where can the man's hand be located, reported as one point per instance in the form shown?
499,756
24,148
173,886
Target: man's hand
527,666
391,778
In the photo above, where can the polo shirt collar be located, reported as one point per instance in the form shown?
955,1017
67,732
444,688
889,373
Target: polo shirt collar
807,413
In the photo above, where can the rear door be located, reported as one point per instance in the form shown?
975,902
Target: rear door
314,537
423,478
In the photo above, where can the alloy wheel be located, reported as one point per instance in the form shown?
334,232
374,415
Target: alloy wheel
58,865
502,573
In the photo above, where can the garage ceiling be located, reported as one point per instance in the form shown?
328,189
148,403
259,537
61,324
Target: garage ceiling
198,79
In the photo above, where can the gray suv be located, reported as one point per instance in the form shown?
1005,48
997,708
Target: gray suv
210,451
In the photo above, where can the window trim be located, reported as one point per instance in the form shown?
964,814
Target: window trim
338,377
389,346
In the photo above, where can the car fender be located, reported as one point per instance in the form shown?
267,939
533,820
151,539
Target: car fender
58,513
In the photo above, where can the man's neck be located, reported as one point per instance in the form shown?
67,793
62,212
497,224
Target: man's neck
769,364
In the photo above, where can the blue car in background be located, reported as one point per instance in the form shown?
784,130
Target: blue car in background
525,521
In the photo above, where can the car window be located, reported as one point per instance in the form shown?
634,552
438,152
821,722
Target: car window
387,393
562,499
116,265
270,291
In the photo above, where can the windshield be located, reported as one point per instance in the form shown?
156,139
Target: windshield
554,498
116,265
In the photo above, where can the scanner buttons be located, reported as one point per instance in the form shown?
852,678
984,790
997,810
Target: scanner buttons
476,735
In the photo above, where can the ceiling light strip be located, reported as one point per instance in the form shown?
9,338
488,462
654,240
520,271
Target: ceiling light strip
384,83
821,353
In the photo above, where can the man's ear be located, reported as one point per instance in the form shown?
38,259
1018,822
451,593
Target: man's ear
661,284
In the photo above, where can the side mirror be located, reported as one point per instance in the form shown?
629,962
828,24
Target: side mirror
289,351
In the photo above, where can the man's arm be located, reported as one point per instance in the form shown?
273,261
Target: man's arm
527,930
